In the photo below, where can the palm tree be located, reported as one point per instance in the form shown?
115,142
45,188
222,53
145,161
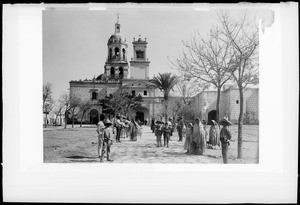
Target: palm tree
165,82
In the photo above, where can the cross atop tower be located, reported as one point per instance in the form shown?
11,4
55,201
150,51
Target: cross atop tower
118,15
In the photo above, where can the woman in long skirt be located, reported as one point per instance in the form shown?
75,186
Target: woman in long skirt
189,133
214,134
133,131
199,141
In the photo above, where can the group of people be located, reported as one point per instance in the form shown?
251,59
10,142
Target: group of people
162,129
197,138
126,128
118,126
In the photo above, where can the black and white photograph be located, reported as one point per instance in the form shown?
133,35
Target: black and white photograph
168,87
138,95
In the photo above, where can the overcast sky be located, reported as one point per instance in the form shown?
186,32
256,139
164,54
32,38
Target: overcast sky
75,41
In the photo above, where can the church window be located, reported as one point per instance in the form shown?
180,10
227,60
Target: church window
110,53
140,54
133,92
123,51
237,101
94,96
117,50
112,71
145,92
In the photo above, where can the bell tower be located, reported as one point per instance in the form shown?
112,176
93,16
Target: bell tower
139,64
116,65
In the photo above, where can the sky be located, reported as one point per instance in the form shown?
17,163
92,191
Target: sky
75,40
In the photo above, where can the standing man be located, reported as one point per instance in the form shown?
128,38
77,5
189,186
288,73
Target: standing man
225,137
119,127
100,129
107,141
180,128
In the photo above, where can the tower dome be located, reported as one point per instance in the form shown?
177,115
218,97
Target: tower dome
117,38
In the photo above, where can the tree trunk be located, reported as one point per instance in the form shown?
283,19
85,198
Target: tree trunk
55,120
60,119
66,118
166,107
81,119
240,124
218,105
72,118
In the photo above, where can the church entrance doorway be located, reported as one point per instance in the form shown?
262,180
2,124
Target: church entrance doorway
94,116
212,115
139,117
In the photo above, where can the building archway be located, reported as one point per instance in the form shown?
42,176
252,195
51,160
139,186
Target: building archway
112,72
212,115
94,116
140,116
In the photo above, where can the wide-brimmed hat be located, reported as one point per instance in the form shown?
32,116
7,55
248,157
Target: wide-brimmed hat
225,121
159,122
108,123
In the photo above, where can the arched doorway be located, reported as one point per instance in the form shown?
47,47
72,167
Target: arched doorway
139,116
94,116
112,72
212,115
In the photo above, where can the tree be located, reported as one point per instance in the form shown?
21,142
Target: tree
47,100
243,36
208,60
121,102
84,106
74,103
65,101
58,111
165,82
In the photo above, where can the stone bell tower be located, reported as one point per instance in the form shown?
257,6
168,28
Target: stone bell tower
116,65
139,64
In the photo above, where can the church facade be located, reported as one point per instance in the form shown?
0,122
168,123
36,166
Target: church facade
132,76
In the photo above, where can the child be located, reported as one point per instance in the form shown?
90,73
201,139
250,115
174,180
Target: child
225,136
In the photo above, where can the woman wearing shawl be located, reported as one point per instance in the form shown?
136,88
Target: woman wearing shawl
189,133
133,130
214,134
199,137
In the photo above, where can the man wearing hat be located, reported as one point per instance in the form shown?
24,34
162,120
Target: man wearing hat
107,140
225,136
180,128
100,129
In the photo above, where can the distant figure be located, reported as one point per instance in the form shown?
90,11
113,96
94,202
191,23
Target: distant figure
214,135
146,121
152,124
189,133
107,140
203,121
225,137
100,129
180,126
158,130
119,127
166,132
133,130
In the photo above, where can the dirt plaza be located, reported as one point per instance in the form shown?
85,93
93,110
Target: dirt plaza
79,145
